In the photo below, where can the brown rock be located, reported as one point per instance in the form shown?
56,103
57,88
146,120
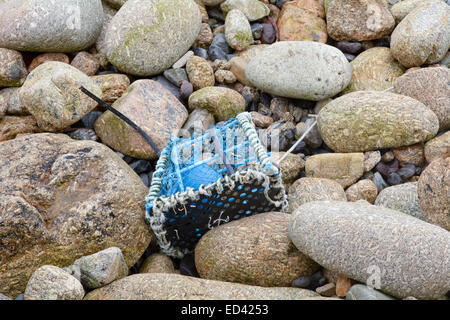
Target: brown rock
314,189
10,101
434,192
203,11
225,76
13,70
153,108
11,126
239,63
255,250
343,284
327,290
431,87
362,190
86,62
344,168
113,86
413,154
200,72
63,199
291,167
302,20
157,263
371,159
42,58
205,37
163,286
374,69
438,147
260,120
358,20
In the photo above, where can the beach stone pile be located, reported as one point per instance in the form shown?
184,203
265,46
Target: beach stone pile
365,82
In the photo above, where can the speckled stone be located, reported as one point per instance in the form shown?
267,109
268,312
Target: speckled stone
291,167
438,147
157,263
372,120
413,154
10,103
163,286
113,85
300,69
358,20
374,69
255,250
108,13
434,192
314,189
86,62
153,108
423,36
237,30
200,120
362,190
431,87
313,138
302,20
11,126
225,76
261,120
371,159
51,94
63,199
44,57
360,241
102,268
344,168
29,25
53,283
200,73
205,37
403,198
402,8
139,24
239,63
13,71
253,9
223,103
362,292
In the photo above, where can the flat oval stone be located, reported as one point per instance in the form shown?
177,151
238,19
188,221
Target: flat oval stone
237,30
400,255
373,120
423,36
300,69
50,25
140,24
253,9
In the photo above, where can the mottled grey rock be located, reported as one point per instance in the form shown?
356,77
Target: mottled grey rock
83,134
163,286
255,250
423,36
291,167
434,192
50,25
13,70
237,30
313,138
253,9
403,198
140,24
53,283
401,255
314,189
52,95
199,120
300,69
102,268
373,120
402,8
362,292
108,14
371,159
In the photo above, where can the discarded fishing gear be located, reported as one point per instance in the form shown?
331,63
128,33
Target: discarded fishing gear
208,180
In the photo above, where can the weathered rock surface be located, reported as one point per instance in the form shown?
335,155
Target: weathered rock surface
200,73
163,286
431,87
140,24
253,9
300,69
291,167
237,30
402,8
371,120
29,25
13,71
423,36
239,63
153,108
113,86
362,292
11,126
434,192
403,255
255,250
52,95
314,189
438,147
53,283
157,263
344,168
403,198
362,190
63,199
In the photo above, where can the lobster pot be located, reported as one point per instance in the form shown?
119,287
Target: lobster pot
208,180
